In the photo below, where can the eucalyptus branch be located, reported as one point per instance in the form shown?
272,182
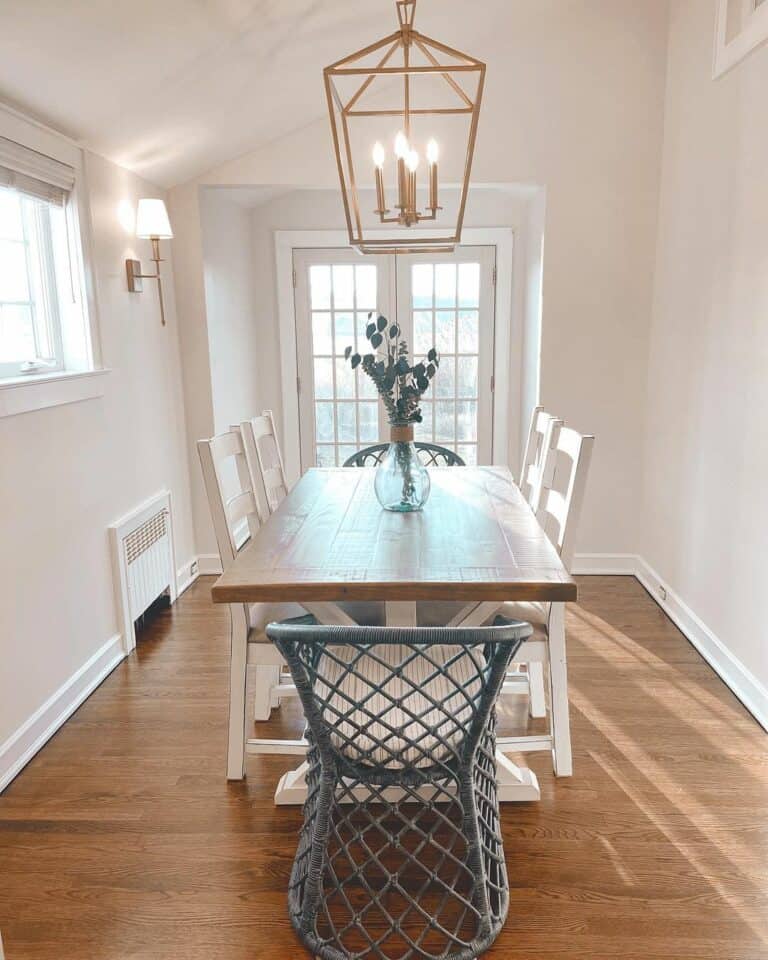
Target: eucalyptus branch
399,384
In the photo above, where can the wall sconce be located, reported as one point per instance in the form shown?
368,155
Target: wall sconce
152,223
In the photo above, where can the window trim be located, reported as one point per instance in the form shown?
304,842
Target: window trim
35,136
753,33
507,326
36,392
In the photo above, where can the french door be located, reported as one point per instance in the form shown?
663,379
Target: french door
441,300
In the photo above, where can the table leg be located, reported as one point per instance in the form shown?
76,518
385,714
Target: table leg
329,613
516,784
401,614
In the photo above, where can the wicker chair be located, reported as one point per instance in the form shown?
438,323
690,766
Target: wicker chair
431,455
400,855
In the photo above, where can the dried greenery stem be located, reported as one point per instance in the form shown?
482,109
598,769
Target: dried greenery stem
399,384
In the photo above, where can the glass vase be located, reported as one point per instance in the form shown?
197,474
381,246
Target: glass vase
402,482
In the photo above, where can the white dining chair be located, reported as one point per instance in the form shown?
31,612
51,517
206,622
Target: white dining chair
563,481
540,432
564,474
265,466
236,518
264,458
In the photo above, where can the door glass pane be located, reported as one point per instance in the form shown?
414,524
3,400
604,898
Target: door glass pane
469,285
320,287
344,332
445,285
445,422
321,334
324,422
323,378
365,280
347,422
343,286
423,335
345,403
368,414
422,281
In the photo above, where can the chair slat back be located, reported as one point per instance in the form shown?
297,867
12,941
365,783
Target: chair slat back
540,432
265,461
564,480
230,493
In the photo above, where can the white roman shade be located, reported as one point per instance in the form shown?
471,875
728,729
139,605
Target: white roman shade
33,173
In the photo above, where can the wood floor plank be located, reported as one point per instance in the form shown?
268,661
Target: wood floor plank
122,840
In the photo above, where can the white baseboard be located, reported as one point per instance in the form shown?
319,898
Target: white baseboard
209,565
605,564
740,680
187,575
24,743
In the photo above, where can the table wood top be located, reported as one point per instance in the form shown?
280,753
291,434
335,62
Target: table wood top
330,540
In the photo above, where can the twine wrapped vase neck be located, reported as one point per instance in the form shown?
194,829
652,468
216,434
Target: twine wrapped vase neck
401,433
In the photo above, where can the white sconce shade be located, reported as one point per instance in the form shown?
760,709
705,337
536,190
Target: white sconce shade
152,220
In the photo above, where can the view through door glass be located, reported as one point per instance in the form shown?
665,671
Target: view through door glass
443,300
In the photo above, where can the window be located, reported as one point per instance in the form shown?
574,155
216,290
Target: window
42,319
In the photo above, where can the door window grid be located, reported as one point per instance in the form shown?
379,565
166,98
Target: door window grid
345,401
445,305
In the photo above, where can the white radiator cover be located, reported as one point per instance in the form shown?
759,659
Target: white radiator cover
144,561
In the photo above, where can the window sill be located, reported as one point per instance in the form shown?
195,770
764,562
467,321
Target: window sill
37,391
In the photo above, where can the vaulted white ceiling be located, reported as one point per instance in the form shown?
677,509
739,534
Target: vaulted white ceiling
172,88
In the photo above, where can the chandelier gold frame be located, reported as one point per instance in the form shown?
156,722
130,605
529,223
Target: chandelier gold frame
438,60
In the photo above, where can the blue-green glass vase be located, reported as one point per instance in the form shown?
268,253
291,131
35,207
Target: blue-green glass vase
402,482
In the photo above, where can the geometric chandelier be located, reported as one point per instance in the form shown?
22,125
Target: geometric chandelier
403,111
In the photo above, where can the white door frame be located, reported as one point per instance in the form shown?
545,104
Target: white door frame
507,348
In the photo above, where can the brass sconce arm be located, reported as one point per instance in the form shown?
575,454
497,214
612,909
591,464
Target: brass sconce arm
135,276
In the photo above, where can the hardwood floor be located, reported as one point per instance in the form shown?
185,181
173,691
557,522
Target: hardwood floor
122,840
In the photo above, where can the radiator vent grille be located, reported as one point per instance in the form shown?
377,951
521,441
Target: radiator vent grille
140,540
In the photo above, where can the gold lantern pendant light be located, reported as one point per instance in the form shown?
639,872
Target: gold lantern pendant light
414,93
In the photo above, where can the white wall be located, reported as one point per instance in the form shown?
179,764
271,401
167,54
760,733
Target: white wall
67,472
706,509
574,104
234,333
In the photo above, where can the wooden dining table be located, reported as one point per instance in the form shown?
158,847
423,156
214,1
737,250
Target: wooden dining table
475,545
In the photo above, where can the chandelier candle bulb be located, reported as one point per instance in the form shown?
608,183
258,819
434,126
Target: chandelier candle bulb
378,160
401,151
433,153
412,162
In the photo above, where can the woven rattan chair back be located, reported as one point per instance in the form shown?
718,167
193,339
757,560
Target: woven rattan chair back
430,454
400,855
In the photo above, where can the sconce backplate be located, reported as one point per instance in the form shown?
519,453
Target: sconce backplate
133,272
